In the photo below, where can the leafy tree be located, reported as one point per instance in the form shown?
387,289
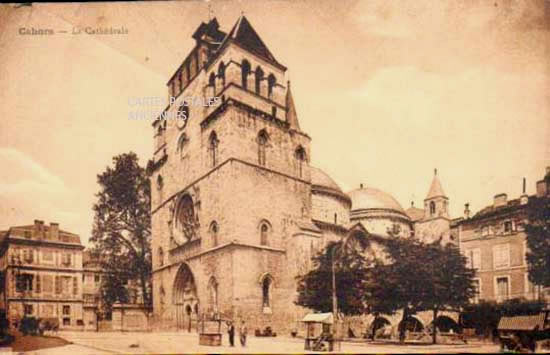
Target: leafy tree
538,239
450,283
121,234
350,265
418,277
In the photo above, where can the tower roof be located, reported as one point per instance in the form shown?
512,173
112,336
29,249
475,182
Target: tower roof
244,35
435,189
291,116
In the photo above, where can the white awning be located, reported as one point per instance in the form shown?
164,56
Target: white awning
325,318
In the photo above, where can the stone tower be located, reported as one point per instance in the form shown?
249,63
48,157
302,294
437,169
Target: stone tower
435,223
230,185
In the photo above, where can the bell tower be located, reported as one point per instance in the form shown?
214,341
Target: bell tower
436,203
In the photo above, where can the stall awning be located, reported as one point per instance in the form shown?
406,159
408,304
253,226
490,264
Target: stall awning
522,322
325,318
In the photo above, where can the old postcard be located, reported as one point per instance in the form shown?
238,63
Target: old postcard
275,176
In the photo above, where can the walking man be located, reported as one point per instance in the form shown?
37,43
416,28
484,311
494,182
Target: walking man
243,332
231,333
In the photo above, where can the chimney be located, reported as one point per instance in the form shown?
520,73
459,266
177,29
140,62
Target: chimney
500,200
541,188
466,210
523,199
54,231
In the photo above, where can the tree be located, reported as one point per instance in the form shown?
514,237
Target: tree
121,235
350,264
450,283
418,277
538,239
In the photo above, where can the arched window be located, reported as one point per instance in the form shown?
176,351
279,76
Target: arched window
160,182
213,147
432,208
221,72
213,293
212,80
265,230
185,217
182,142
271,81
245,71
259,76
162,294
300,155
214,233
267,284
263,140
161,256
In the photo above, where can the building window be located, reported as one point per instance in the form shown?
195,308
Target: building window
212,80
263,140
47,255
27,234
161,256
162,294
23,282
214,233
501,256
38,284
213,293
182,142
267,284
47,283
75,285
508,227
473,257
432,208
28,255
66,259
221,73
274,111
245,71
264,233
259,76
213,146
160,182
271,81
477,290
96,278
66,310
27,309
185,217
300,155
502,288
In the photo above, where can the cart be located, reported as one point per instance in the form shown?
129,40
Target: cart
325,340
520,333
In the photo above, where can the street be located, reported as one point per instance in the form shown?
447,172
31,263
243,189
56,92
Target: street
173,342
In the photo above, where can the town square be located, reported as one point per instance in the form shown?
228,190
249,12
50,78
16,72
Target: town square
275,177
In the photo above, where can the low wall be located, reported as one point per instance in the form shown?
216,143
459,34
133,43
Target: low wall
130,317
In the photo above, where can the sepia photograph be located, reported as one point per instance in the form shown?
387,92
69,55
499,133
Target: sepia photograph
275,176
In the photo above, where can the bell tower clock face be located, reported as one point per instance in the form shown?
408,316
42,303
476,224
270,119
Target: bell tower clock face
182,116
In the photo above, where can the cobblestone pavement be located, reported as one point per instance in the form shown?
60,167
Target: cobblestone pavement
173,342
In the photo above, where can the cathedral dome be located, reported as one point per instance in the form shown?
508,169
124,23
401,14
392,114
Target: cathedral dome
329,203
320,179
371,198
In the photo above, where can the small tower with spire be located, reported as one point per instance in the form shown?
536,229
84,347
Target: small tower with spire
436,203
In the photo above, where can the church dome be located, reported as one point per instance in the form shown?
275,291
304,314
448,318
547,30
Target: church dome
320,179
371,198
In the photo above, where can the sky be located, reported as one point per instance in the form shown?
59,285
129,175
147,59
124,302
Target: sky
387,90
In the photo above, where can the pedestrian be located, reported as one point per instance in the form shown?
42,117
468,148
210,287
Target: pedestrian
243,332
231,333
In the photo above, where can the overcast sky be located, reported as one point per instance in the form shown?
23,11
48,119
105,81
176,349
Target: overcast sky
388,91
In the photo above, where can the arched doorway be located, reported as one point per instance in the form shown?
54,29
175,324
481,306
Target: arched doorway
445,324
411,324
378,326
185,299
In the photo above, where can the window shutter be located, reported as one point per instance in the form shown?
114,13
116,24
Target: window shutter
58,285
38,285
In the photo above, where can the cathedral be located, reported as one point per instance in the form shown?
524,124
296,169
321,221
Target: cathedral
237,209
